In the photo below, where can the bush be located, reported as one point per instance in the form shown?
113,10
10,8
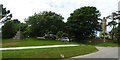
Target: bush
59,34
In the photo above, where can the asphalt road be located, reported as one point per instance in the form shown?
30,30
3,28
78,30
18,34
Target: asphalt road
104,52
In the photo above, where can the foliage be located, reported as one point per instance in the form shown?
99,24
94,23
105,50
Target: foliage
64,35
105,34
61,34
83,22
114,16
10,28
45,22
116,33
6,15
24,29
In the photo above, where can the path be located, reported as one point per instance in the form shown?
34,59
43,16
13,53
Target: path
33,47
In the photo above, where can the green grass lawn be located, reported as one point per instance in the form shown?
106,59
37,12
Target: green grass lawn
41,42
31,42
105,44
49,52
45,52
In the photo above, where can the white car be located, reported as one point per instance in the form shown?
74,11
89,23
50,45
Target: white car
40,37
64,39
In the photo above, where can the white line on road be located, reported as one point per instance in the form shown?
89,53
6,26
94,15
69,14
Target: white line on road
32,47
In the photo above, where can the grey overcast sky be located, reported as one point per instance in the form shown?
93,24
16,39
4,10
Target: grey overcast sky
21,9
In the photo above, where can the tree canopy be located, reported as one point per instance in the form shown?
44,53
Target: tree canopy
45,22
6,15
10,28
83,22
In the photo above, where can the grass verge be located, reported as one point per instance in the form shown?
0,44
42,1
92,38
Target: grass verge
31,42
105,44
49,52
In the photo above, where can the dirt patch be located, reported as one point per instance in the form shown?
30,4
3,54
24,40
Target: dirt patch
0,44
11,43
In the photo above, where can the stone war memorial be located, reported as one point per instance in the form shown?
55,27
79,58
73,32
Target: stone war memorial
18,36
103,25
104,34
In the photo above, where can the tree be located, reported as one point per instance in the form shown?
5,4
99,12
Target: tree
114,16
116,33
83,22
45,22
24,29
61,34
6,15
10,28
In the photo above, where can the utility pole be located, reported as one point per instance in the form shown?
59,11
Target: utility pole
1,11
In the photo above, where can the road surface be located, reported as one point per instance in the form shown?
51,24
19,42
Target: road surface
104,52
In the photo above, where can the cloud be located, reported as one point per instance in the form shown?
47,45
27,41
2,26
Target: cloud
23,8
